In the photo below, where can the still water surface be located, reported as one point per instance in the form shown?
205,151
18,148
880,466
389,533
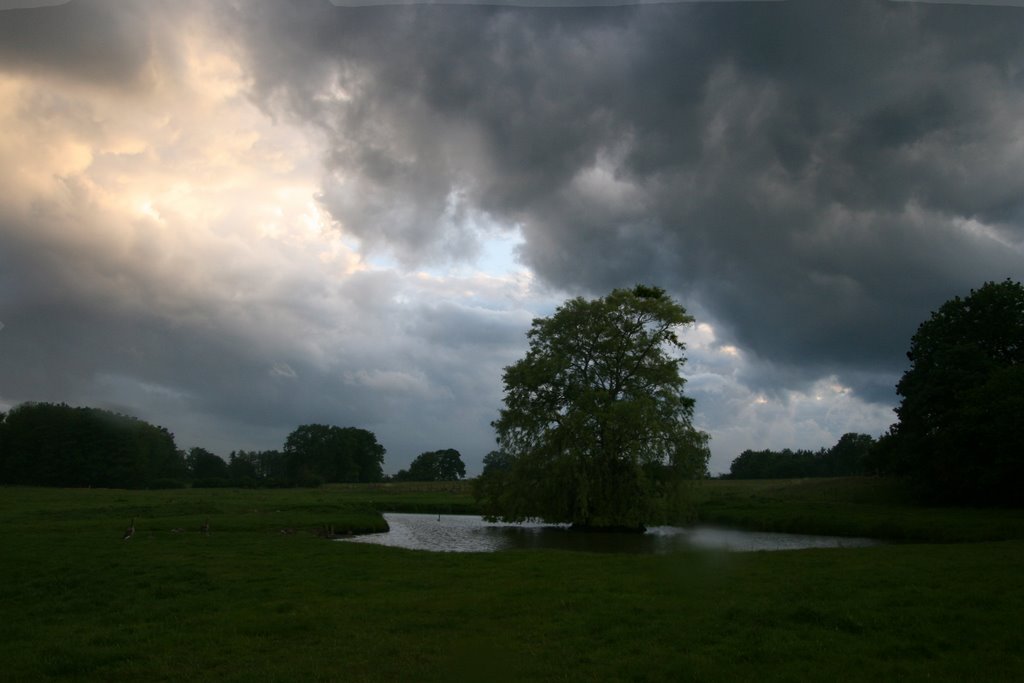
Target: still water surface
467,533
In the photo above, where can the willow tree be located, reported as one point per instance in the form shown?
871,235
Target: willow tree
596,430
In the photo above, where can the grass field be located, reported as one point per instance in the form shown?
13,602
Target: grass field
446,497
848,506
248,603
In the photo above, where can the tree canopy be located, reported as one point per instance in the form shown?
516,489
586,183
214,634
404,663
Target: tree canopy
45,444
596,430
335,454
258,468
206,468
848,457
443,465
959,431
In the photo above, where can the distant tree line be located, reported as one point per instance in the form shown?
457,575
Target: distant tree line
959,438
313,454
43,444
850,456
445,465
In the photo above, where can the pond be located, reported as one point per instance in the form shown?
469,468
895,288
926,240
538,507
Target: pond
467,533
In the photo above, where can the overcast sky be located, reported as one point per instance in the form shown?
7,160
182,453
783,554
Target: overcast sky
233,218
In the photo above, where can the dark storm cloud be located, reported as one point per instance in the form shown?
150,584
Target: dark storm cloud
88,329
77,317
816,176
108,43
811,178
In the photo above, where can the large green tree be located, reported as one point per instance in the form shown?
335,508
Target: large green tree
959,431
596,430
334,453
202,464
444,465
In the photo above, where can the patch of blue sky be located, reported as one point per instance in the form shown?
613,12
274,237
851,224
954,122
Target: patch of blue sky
499,253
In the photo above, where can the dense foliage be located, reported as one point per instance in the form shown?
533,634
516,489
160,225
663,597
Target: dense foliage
847,458
258,468
443,465
596,430
959,431
336,454
58,445
202,464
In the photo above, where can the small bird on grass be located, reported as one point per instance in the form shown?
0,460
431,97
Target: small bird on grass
205,528
130,531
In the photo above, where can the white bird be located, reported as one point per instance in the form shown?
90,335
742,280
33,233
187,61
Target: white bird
130,531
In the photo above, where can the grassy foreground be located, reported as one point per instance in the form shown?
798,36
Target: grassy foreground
248,603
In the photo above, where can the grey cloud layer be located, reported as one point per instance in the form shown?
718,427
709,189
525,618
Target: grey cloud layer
240,373
818,177
812,178
104,43
228,338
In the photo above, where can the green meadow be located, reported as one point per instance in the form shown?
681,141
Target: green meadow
263,597
848,506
